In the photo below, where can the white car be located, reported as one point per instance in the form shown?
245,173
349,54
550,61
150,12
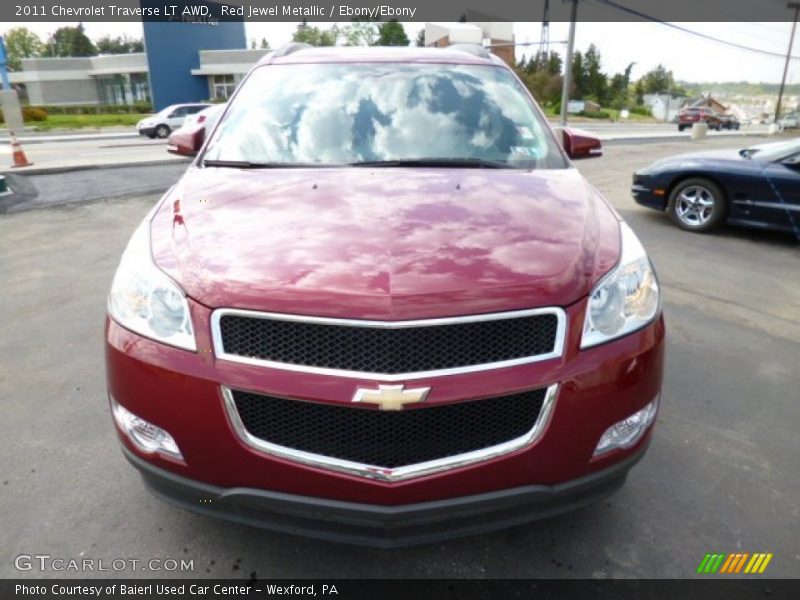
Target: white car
789,121
208,117
168,119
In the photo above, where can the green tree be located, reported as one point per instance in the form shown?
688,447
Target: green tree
596,80
639,91
619,88
421,38
21,43
658,81
118,45
554,63
359,33
314,35
70,41
264,44
579,77
392,33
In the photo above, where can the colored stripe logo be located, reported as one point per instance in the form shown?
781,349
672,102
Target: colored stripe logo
732,564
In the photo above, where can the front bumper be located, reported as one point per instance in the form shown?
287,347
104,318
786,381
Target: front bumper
648,191
384,526
182,392
148,131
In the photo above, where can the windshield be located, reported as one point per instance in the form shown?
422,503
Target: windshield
350,114
775,151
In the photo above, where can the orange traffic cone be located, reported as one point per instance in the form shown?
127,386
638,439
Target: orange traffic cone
20,160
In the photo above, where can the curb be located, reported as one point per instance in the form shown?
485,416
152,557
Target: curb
75,137
70,168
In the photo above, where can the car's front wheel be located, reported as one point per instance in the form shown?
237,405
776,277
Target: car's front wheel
162,131
697,204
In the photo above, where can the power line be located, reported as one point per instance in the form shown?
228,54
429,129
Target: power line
647,17
506,44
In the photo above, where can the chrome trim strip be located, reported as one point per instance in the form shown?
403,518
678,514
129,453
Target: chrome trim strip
762,204
219,350
399,473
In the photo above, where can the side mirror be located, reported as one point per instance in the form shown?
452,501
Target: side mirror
581,144
187,141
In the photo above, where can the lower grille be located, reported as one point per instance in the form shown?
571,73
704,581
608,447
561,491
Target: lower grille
388,439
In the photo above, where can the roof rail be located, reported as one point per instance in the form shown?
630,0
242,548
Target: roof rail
290,48
474,49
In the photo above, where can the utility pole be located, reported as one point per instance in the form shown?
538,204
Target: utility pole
796,7
544,44
568,64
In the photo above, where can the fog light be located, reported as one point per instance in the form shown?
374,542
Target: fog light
144,435
628,431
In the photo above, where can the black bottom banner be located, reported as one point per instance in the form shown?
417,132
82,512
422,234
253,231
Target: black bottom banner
414,589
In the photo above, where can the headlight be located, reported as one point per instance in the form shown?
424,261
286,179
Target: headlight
626,299
143,299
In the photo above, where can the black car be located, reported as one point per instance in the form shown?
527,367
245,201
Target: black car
756,187
729,122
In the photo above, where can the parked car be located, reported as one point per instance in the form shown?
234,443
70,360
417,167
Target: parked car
197,124
207,117
757,186
729,122
790,121
161,124
383,306
689,116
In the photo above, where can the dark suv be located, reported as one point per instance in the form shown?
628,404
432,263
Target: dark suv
690,116
730,122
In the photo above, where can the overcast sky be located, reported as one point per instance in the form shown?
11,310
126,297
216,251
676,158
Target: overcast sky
690,58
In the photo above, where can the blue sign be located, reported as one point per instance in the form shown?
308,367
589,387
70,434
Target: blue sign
4,65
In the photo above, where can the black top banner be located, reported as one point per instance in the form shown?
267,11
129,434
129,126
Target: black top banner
206,11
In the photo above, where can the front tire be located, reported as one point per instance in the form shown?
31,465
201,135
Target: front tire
697,205
162,131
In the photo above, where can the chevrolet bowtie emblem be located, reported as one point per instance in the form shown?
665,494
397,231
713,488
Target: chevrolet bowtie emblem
391,397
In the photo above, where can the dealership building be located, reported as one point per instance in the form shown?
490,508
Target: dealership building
182,62
125,78
190,62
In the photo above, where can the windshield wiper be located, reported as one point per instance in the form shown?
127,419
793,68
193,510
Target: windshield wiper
244,164
454,163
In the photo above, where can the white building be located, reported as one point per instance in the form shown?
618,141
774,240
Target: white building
121,78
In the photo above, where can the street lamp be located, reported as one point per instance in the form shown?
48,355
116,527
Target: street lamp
796,7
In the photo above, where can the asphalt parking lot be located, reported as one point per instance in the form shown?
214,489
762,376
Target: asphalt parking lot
720,475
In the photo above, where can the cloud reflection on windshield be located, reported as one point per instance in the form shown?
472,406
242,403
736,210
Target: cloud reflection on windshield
334,114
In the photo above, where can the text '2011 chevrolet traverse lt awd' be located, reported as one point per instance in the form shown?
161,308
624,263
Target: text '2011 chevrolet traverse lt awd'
382,306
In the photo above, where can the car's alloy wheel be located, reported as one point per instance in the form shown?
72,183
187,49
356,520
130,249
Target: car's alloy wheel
162,131
697,205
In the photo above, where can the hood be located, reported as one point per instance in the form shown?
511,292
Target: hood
721,155
707,160
384,243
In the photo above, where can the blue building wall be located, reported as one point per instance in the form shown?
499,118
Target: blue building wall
173,49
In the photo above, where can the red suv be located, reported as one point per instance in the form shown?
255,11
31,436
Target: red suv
690,116
382,306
